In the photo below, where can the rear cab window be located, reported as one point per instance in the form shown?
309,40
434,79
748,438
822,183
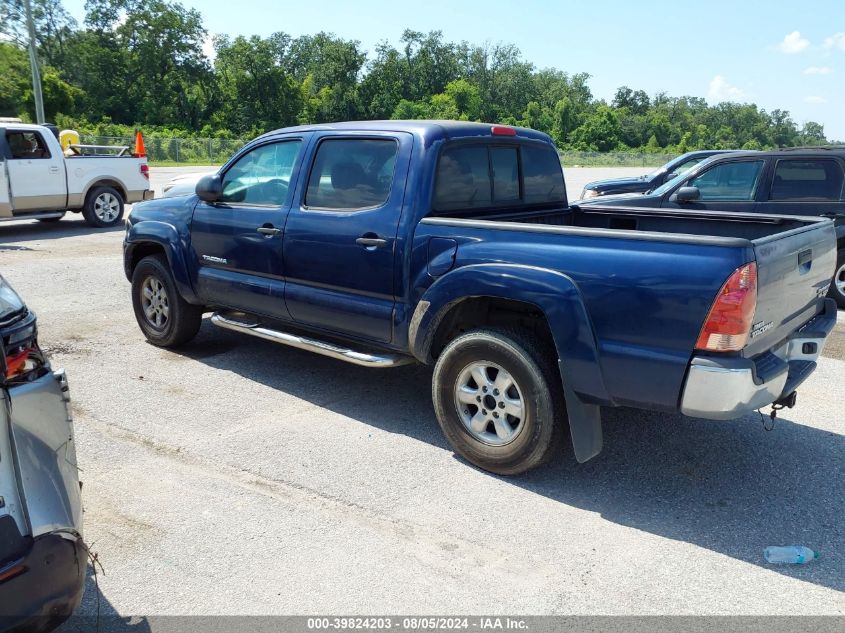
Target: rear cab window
476,176
807,179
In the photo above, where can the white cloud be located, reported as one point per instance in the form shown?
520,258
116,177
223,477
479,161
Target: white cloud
721,90
818,70
793,43
837,40
814,99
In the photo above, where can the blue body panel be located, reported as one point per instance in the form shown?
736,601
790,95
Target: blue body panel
624,310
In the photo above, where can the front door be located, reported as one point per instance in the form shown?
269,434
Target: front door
36,177
341,235
726,186
237,241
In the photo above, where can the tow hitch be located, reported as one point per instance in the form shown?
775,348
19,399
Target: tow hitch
787,402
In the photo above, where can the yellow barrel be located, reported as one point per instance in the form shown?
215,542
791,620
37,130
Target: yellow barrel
68,137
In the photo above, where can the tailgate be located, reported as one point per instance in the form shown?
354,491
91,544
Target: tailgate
794,270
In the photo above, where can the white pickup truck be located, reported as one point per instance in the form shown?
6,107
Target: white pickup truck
38,181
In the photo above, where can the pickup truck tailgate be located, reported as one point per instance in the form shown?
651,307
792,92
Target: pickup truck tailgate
794,270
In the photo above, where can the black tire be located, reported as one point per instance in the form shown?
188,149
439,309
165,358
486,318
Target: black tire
51,220
103,207
532,365
837,286
174,321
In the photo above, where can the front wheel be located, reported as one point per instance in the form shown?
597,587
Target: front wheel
103,207
837,286
165,318
499,400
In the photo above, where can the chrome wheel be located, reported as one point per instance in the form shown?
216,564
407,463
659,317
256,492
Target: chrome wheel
490,403
106,207
155,303
839,280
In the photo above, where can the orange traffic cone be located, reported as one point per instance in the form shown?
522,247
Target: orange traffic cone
140,150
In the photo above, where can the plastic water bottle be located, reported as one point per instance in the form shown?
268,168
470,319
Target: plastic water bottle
795,554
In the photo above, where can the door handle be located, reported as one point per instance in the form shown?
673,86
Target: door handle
371,242
54,169
268,230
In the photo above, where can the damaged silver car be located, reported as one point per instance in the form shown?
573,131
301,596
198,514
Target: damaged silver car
42,555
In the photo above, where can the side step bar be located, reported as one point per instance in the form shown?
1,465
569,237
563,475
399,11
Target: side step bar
312,345
43,215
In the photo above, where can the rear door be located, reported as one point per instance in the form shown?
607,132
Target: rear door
36,175
729,185
341,234
237,242
806,186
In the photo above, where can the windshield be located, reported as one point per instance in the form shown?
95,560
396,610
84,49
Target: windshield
670,184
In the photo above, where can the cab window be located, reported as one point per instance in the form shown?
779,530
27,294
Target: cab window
734,181
27,145
803,179
350,174
262,176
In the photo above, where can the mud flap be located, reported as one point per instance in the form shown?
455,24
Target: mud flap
584,426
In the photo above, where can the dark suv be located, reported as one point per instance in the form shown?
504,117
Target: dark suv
799,181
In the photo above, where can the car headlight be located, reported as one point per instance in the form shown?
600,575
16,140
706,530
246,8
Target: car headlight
589,193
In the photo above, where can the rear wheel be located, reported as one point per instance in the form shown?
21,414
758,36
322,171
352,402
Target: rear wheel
103,207
498,398
837,287
165,318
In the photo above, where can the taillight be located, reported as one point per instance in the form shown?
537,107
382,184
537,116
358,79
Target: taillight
145,170
16,362
729,322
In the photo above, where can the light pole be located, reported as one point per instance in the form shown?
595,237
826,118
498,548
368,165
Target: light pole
33,64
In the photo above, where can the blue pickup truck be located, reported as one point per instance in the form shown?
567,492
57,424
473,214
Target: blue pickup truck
453,244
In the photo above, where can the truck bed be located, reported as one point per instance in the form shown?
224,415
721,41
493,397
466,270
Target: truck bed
649,276
695,225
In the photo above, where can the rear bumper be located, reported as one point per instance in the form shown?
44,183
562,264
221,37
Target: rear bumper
48,588
139,195
725,388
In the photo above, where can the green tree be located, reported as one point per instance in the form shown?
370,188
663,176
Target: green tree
257,92
600,132
466,97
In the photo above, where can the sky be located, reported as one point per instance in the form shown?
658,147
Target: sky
775,54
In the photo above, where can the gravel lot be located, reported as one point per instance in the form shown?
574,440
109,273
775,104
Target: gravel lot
239,477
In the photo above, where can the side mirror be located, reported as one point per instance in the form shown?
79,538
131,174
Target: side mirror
670,176
687,194
210,188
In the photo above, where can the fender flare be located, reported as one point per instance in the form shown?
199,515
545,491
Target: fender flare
558,297
167,237
105,181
